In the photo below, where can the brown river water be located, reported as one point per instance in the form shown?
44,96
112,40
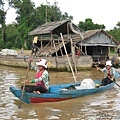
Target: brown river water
100,106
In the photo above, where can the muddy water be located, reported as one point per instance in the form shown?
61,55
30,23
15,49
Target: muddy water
94,107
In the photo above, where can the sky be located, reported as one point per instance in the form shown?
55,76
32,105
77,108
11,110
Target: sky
100,11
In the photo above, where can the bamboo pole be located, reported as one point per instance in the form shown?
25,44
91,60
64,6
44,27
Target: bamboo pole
68,57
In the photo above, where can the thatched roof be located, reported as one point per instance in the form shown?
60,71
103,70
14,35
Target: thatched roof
56,27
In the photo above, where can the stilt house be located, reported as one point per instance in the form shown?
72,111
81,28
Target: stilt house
49,39
97,43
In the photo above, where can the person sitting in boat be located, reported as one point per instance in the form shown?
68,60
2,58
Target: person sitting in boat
109,72
42,79
78,52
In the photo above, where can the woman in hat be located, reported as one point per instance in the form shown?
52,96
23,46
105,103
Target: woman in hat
41,80
109,73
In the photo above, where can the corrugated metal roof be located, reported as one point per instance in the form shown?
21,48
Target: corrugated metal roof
90,33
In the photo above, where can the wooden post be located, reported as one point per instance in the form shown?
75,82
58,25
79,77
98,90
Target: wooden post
68,30
85,50
56,58
115,49
81,46
41,42
55,53
60,47
68,57
108,50
73,56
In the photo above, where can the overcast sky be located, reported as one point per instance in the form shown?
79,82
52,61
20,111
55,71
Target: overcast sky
100,11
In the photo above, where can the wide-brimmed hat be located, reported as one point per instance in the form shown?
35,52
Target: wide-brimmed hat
42,62
108,63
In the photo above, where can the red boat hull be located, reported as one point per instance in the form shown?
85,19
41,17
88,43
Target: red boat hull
42,100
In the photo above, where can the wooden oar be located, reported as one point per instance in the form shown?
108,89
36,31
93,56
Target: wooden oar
109,77
29,63
116,83
68,57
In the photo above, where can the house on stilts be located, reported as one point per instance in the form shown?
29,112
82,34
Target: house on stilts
48,40
93,45
98,44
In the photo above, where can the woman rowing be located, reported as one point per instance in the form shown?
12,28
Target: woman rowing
41,80
109,72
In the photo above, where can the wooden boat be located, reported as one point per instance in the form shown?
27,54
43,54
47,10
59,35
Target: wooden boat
59,92
83,62
60,64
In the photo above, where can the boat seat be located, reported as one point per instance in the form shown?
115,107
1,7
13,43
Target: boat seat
54,90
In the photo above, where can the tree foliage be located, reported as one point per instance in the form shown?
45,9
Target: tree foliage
116,32
28,18
89,25
15,35
49,13
3,12
25,19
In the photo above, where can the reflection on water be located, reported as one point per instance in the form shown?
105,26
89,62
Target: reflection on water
7,106
94,107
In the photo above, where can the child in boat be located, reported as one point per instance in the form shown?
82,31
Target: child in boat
109,72
42,78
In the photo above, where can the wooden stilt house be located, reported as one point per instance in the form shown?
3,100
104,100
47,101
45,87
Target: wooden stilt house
49,42
97,43
48,37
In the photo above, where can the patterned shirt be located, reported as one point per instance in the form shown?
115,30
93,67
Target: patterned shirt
44,78
111,73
